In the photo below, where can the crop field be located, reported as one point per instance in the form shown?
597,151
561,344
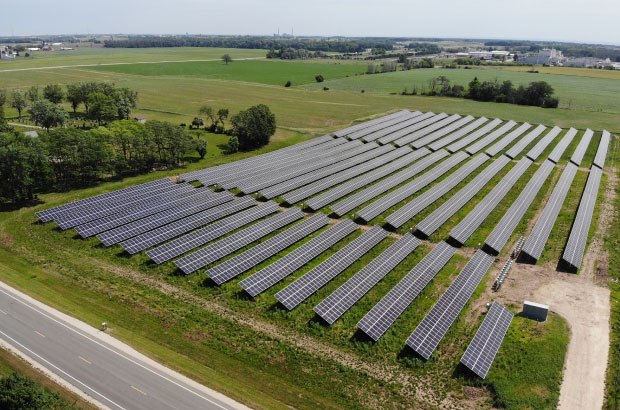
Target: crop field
256,350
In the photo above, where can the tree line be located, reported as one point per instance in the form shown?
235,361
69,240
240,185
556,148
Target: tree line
537,93
252,42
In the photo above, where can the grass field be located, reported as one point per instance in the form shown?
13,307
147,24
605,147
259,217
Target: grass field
255,351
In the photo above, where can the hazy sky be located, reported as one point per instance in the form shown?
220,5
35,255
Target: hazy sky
571,20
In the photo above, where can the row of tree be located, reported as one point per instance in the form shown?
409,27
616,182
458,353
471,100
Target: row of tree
66,158
537,93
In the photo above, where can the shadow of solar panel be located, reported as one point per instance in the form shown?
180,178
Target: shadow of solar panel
472,221
537,239
384,203
289,263
367,194
235,266
409,210
182,226
484,346
482,143
435,325
383,315
295,293
217,250
341,300
363,180
135,228
440,215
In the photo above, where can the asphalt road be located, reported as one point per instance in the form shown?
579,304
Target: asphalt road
99,366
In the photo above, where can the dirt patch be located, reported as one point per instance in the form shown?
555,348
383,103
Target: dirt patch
6,240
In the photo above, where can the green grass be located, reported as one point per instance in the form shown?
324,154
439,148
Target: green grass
527,371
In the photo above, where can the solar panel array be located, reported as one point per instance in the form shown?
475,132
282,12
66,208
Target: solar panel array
342,299
444,212
483,142
537,239
507,140
441,132
211,253
365,124
435,325
559,149
331,195
383,315
412,128
376,127
576,245
506,226
382,204
301,289
484,346
538,149
409,138
235,266
582,147
397,127
474,219
520,145
289,263
465,132
409,210
601,152
346,205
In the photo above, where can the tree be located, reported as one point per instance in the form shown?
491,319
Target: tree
226,58
53,93
32,94
75,95
19,392
209,113
23,167
125,100
47,114
222,115
201,147
18,101
172,142
319,78
197,122
2,98
254,126
231,146
101,108
133,146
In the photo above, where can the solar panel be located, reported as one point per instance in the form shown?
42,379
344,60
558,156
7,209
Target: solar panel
441,132
184,225
544,142
217,250
577,240
362,125
209,233
409,210
474,219
363,180
369,130
341,300
384,203
559,149
484,346
435,325
440,215
389,130
520,145
302,288
601,152
289,263
412,128
48,214
466,132
482,143
326,183
235,266
367,194
121,233
383,315
506,226
537,239
582,147
408,139
504,142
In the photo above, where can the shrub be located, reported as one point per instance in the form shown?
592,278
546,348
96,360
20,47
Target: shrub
288,84
319,78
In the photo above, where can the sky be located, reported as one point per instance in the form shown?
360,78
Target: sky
593,21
